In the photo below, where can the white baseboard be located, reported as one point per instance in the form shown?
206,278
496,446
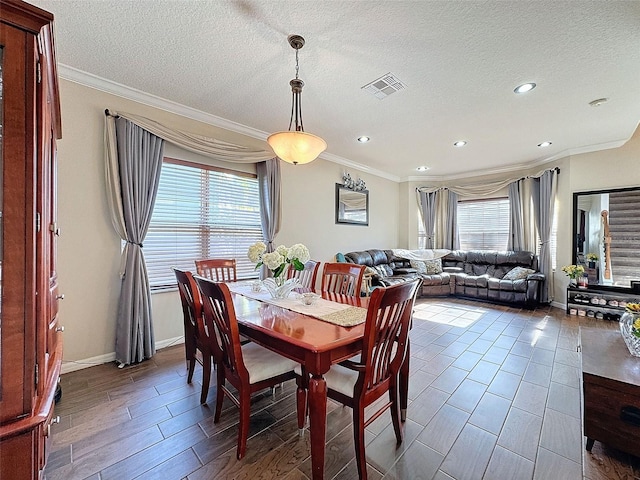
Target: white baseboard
169,342
73,365
563,306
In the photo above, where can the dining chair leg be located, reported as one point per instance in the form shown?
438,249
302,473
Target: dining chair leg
191,366
219,394
206,377
395,411
403,382
243,427
358,438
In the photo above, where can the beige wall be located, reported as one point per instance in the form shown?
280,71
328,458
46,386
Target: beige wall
614,168
89,249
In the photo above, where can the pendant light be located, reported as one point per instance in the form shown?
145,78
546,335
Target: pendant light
296,146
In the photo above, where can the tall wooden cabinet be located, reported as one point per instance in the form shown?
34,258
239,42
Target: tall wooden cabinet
30,336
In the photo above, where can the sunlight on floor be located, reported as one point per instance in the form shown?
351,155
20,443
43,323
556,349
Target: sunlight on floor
459,316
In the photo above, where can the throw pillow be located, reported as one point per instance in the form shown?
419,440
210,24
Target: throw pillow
434,266
419,265
371,271
340,258
518,273
380,270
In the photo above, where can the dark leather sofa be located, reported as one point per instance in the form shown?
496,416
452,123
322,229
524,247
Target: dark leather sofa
471,274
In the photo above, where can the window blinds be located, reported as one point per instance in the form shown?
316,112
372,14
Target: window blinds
201,213
483,224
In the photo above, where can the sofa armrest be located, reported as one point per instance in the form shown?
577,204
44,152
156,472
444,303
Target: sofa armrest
536,276
534,284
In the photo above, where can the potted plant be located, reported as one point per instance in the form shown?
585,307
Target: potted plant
592,258
573,272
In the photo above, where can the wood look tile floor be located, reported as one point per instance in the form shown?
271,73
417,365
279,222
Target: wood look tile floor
494,394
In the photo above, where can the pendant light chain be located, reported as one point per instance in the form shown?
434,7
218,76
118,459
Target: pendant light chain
295,146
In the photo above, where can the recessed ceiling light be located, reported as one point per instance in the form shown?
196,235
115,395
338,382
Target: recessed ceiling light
422,169
525,87
544,144
598,102
363,139
460,143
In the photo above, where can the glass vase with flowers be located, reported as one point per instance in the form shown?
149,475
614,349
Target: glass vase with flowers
279,261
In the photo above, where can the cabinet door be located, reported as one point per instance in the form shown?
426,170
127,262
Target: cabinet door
46,301
17,223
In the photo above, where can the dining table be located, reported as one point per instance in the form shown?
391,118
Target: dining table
310,336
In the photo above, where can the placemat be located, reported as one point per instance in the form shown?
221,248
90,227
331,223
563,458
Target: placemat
325,310
349,317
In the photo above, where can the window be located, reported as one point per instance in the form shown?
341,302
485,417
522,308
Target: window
483,224
201,212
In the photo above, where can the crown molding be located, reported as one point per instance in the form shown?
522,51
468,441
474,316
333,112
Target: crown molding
521,166
99,83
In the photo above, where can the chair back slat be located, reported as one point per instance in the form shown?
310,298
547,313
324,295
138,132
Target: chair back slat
217,269
386,331
306,277
342,278
220,317
191,304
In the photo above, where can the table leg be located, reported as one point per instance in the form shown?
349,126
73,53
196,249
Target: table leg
317,424
404,383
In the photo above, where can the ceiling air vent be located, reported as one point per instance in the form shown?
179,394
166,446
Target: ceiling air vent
384,86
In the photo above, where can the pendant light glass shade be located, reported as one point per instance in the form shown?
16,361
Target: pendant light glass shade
296,147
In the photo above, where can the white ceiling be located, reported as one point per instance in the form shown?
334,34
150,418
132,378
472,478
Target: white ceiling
460,61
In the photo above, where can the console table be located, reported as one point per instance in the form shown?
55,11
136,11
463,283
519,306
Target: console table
611,390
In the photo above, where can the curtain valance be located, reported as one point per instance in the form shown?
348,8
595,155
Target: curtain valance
483,189
209,147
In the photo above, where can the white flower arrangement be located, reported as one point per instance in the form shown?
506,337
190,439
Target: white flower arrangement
278,260
255,251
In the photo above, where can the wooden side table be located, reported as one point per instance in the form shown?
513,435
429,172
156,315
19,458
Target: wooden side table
611,390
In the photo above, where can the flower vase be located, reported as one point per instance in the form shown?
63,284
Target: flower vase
573,282
280,288
631,332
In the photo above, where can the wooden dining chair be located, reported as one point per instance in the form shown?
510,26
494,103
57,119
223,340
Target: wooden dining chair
195,337
306,277
343,278
249,367
217,269
360,381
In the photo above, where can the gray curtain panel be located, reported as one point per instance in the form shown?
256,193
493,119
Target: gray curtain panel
427,201
544,198
449,205
269,185
139,161
516,233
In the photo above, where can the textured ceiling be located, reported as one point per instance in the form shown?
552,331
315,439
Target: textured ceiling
460,61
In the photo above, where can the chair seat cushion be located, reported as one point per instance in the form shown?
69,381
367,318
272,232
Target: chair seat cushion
342,379
263,364
339,378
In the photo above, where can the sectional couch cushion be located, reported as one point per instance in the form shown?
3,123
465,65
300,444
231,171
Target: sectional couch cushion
500,276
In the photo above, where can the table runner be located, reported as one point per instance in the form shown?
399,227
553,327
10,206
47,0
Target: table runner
325,310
